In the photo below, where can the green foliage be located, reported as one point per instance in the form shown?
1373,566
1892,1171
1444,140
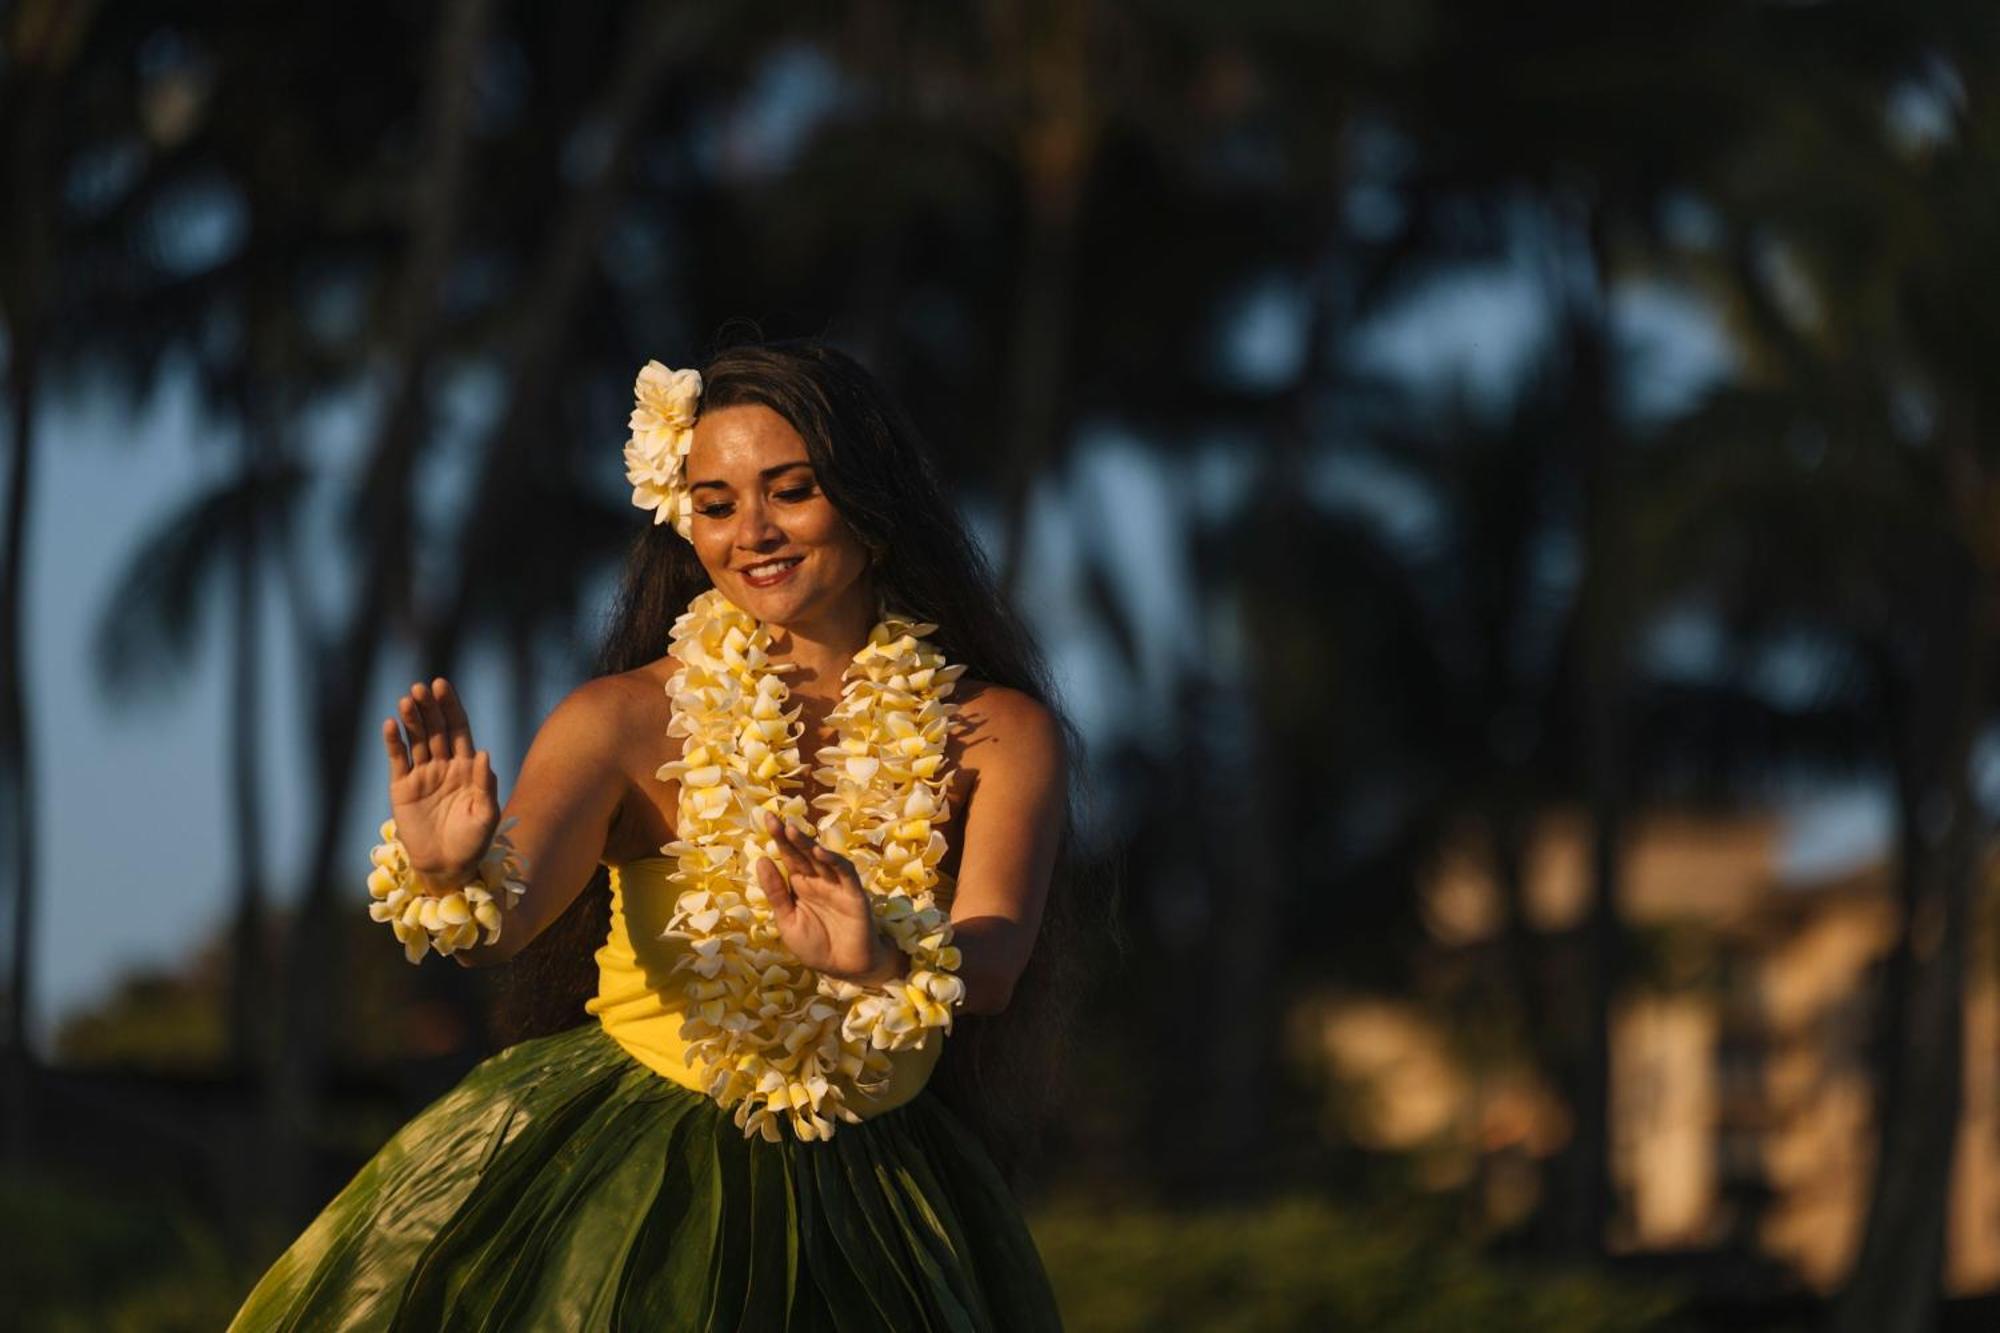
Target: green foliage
1308,1265
79,1260
171,1019
151,1020
86,1259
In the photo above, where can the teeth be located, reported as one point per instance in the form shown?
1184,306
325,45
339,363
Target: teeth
761,571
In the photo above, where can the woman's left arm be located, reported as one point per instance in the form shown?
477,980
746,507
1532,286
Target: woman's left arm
1013,820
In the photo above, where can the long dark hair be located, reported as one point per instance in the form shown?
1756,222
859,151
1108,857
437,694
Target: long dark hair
998,1072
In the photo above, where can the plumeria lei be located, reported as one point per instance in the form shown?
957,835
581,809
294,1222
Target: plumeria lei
766,1034
663,414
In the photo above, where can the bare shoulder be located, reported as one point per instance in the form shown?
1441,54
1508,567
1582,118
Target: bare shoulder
1012,773
606,712
1000,726
596,707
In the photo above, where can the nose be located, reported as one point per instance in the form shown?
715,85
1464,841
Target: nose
756,527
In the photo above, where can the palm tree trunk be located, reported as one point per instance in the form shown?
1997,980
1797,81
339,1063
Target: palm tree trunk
41,43
1895,1283
247,1006
1249,943
17,816
1244,952
1048,61
1523,971
1041,349
1583,1195
312,945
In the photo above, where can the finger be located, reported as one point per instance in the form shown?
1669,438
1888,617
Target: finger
458,727
399,754
838,867
829,868
811,850
811,861
783,904
795,856
482,773
435,737
846,893
413,724
825,877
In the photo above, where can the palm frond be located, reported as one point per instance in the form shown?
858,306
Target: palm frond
148,632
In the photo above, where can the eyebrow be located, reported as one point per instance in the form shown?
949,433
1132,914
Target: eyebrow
765,475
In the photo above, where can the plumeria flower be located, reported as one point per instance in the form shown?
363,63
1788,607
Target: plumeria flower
663,414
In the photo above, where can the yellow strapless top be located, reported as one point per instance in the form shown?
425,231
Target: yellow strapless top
640,999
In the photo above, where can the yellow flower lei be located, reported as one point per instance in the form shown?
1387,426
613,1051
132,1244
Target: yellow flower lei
766,1034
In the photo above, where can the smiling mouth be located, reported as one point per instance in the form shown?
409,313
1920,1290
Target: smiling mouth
771,571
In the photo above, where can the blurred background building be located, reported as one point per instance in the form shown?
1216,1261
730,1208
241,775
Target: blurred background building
1743,1089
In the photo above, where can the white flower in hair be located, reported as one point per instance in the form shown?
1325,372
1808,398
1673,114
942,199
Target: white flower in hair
666,402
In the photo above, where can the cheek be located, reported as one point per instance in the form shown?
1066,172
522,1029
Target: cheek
711,548
825,528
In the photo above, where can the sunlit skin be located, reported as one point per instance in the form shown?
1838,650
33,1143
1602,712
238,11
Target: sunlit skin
587,791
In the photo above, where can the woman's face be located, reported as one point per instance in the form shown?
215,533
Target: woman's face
768,536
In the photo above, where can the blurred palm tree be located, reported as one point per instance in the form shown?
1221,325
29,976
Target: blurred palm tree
411,337
220,543
42,44
1557,114
533,530
1856,484
251,216
232,539
1498,623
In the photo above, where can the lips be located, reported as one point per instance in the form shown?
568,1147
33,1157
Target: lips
770,573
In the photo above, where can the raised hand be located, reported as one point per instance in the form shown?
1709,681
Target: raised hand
823,914
442,791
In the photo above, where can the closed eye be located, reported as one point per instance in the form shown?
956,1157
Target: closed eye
790,495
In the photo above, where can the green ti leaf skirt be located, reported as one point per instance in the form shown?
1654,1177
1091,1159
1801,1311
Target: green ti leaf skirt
564,1186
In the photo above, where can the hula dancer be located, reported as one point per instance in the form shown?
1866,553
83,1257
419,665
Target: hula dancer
826,777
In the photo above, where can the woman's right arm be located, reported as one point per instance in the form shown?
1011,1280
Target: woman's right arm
571,784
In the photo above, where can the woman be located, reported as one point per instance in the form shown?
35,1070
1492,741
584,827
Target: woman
788,803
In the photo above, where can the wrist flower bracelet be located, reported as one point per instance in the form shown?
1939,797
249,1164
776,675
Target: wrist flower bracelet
451,921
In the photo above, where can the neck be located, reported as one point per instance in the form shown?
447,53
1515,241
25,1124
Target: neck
822,646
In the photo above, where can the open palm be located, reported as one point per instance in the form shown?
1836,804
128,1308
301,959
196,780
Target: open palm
823,914
442,791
